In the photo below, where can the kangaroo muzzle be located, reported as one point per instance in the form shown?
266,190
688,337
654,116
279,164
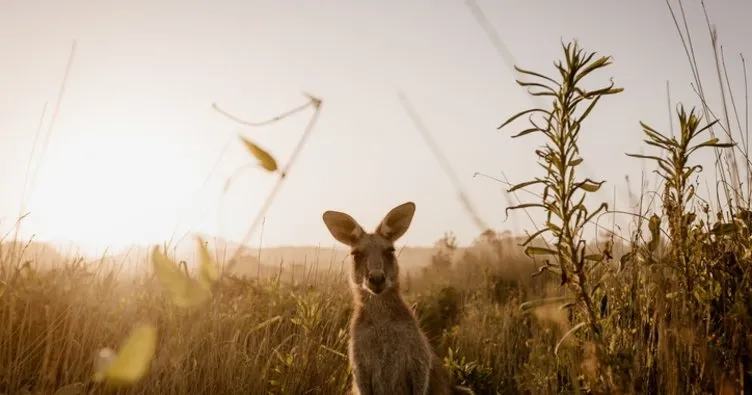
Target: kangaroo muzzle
376,281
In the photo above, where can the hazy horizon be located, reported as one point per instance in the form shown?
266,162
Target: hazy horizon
132,154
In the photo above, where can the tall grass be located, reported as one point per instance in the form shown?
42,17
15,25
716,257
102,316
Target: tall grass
256,336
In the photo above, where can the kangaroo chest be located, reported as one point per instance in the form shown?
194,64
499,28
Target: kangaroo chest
386,344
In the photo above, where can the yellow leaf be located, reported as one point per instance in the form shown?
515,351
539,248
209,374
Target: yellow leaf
132,360
182,290
208,271
265,159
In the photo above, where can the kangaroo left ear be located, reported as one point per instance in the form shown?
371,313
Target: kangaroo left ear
396,222
343,227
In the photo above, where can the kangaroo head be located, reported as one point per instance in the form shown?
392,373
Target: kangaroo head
375,267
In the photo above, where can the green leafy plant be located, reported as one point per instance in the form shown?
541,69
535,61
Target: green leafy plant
564,194
675,170
703,255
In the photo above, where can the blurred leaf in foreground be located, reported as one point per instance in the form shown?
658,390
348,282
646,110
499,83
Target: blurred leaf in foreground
265,159
181,289
132,361
103,360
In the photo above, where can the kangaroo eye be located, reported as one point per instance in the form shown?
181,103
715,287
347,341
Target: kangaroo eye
389,251
356,255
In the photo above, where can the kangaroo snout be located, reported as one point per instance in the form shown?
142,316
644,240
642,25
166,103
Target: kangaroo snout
376,281
376,278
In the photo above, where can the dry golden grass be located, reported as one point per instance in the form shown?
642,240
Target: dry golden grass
274,337
267,337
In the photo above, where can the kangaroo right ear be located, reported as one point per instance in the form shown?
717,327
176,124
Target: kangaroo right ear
396,222
343,227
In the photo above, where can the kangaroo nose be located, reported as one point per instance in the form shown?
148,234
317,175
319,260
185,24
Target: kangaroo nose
376,278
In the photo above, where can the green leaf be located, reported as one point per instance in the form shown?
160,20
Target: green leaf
651,157
547,90
534,235
697,120
265,159
528,131
521,113
603,61
524,206
181,289
530,251
668,171
524,185
601,208
555,228
654,134
590,186
665,147
610,90
712,142
132,360
533,73
575,162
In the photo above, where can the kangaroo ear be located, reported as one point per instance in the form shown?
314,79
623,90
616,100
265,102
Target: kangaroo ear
396,222
343,227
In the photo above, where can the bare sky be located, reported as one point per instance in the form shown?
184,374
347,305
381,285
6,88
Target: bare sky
136,137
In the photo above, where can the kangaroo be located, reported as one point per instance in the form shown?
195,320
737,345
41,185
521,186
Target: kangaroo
388,352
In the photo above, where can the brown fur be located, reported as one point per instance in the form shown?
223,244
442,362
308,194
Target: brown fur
389,353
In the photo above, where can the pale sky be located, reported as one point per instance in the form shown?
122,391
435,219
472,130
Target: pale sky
136,136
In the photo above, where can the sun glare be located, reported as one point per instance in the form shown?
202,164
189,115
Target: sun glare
111,191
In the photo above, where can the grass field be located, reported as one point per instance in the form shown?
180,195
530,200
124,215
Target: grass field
265,336
666,309
269,336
